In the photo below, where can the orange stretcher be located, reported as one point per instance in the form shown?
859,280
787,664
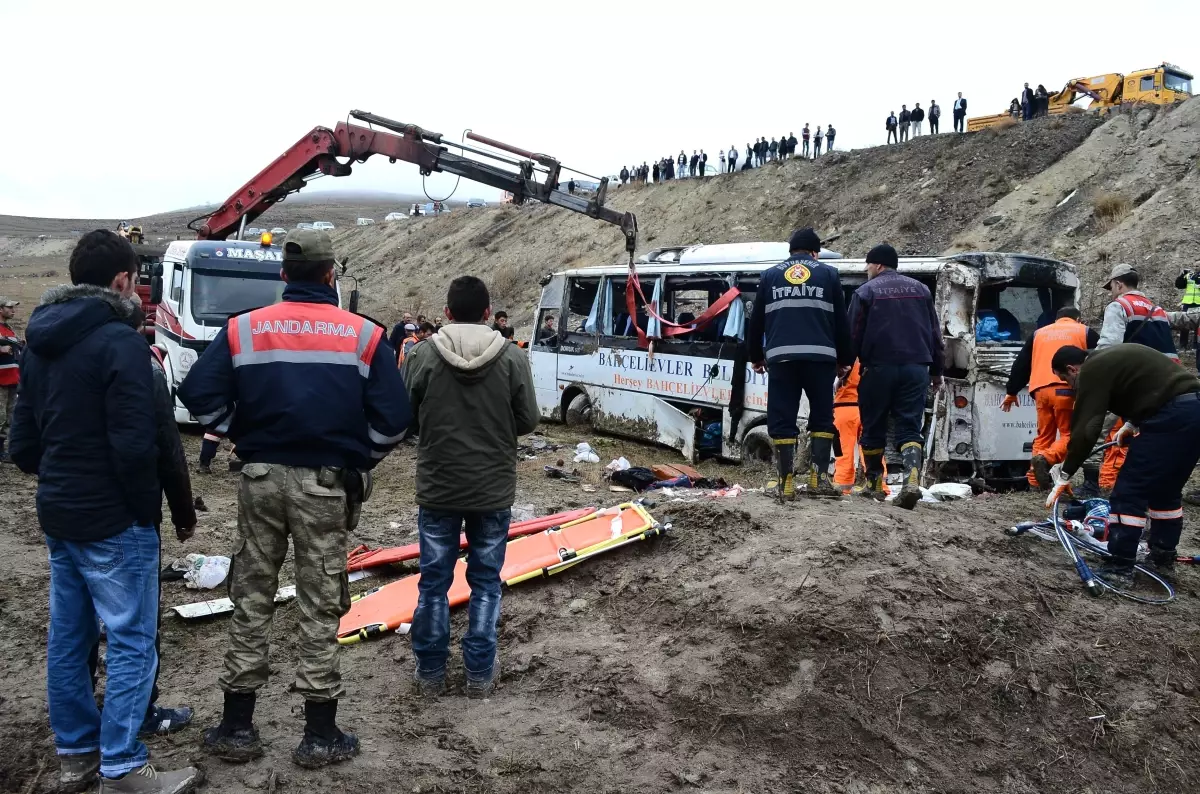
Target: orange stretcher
391,607
361,557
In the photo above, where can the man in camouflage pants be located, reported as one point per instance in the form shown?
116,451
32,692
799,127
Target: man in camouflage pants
311,396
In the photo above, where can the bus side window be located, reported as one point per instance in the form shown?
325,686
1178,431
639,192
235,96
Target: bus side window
581,295
545,336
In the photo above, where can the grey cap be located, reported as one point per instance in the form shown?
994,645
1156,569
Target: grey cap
7,304
307,245
1120,270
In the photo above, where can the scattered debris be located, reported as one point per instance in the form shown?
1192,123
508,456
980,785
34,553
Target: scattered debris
585,454
559,473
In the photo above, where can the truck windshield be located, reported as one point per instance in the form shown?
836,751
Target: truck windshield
1177,82
219,294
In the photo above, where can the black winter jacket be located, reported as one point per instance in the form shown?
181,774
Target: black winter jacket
799,315
917,115
172,462
892,321
85,422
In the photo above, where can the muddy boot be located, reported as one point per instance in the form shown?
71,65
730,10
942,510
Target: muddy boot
1162,560
148,780
785,464
872,485
1041,471
1118,572
913,458
204,468
428,688
235,740
77,772
819,484
324,742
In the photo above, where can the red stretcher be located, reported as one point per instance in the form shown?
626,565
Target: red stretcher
391,607
361,557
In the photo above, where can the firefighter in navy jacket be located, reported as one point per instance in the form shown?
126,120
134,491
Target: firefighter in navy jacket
311,396
800,335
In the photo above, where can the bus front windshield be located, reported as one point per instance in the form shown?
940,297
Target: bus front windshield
219,294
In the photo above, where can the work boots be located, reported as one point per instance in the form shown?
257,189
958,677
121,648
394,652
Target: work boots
872,486
785,464
78,771
1118,572
1163,560
235,740
913,458
1041,471
1091,483
323,743
820,486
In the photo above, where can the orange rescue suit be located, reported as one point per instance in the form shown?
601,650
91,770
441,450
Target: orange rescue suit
849,426
1055,401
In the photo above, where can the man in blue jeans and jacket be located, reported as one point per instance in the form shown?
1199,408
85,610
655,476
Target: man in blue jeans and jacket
85,425
472,396
898,342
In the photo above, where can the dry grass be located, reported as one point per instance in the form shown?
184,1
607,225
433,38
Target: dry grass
1110,209
505,282
1074,110
910,221
966,243
877,193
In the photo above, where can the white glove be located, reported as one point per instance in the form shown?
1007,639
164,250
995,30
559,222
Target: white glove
1125,434
1061,484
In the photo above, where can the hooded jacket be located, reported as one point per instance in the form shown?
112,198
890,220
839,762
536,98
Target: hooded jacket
85,422
472,396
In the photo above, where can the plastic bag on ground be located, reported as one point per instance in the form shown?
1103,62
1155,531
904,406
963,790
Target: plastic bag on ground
949,491
620,464
211,573
585,454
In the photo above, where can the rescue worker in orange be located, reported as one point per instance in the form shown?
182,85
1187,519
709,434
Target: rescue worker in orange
848,422
1131,317
1054,399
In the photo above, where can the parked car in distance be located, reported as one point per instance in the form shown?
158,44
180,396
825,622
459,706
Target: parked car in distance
395,216
304,226
253,231
323,226
366,221
279,230
474,203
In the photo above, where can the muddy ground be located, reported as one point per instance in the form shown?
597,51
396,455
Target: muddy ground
828,647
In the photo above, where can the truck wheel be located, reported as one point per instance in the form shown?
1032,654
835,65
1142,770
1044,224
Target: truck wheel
579,411
756,445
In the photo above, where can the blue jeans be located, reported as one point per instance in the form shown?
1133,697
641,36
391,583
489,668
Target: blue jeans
487,534
117,580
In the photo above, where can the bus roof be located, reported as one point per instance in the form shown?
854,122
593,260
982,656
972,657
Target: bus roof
756,257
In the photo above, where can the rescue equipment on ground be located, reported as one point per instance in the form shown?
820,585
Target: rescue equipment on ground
391,607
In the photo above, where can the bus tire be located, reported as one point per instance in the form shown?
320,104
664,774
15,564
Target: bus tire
579,411
756,445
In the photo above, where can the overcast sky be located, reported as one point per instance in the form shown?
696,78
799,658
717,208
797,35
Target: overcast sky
144,107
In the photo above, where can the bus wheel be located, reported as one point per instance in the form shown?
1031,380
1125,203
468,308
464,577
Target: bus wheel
579,411
756,445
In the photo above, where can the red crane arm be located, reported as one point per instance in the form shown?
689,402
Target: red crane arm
317,152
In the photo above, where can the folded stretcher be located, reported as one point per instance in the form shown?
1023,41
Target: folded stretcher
391,607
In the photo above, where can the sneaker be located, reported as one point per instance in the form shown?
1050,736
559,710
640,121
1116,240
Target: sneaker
148,780
235,745
428,688
314,752
162,721
1041,471
78,772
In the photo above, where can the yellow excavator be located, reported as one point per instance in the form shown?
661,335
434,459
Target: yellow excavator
1165,84
131,233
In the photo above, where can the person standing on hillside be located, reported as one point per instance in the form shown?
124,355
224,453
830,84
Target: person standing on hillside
692,163
798,332
791,144
624,175
905,121
473,396
1042,98
817,143
830,132
935,114
916,117
733,158
656,172
10,375
721,155
703,165
85,425
960,113
1054,400
805,135
682,165
1189,282
898,341
892,125
757,152
1027,103
312,397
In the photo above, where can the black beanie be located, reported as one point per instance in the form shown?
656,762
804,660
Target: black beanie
804,240
883,254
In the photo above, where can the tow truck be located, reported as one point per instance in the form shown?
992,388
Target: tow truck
201,283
